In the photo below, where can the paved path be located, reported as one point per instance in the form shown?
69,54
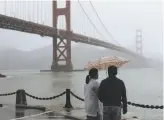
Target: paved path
79,113
8,112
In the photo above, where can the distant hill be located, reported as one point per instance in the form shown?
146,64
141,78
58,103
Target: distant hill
93,53
14,59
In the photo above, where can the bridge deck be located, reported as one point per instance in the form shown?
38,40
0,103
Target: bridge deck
43,30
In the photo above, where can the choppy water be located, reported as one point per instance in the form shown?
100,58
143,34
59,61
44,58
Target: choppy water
144,86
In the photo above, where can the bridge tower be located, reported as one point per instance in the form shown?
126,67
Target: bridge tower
62,45
139,41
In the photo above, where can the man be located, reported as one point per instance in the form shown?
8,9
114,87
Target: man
111,93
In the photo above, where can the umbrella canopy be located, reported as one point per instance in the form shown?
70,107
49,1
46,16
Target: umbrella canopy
105,62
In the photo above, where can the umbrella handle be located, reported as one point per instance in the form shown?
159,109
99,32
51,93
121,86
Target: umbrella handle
106,71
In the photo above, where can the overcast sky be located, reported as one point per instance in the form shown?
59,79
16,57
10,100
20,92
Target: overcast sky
121,17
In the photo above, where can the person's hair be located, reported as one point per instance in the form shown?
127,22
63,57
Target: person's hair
112,71
87,79
93,73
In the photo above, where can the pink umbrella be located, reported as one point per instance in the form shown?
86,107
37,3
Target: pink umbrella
104,62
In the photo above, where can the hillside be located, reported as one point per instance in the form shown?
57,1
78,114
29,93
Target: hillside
14,59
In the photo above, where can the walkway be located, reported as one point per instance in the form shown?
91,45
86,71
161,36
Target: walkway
8,112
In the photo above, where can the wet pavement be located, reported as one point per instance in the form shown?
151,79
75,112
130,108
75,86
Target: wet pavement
9,112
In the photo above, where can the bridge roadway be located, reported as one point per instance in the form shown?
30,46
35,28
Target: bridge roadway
12,23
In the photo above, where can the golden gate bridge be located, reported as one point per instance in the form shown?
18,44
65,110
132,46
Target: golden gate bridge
29,17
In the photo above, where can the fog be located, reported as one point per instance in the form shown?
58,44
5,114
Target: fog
121,17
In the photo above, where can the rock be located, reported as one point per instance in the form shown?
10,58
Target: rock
2,76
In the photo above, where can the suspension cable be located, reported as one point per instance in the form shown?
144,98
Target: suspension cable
90,20
33,14
102,22
5,7
37,12
40,9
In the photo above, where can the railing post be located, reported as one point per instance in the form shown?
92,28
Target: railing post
21,97
20,100
19,113
68,99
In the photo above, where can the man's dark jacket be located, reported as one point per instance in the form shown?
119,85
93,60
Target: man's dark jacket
112,92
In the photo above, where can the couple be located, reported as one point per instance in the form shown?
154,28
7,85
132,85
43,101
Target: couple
111,92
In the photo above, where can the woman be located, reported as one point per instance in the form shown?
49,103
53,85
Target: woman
92,105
